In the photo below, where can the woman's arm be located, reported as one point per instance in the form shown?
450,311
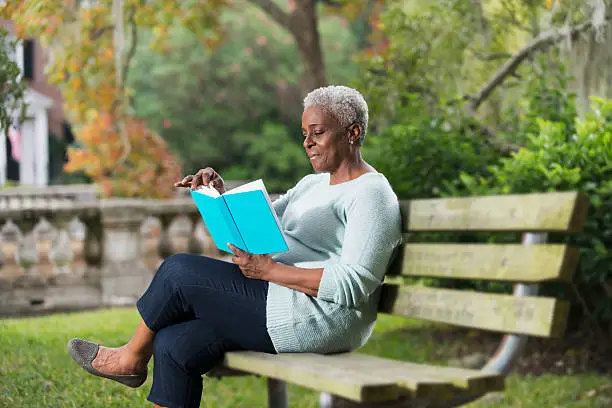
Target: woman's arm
265,268
300,279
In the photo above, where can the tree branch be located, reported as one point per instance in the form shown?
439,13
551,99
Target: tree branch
133,44
97,32
494,140
491,57
271,9
542,41
331,3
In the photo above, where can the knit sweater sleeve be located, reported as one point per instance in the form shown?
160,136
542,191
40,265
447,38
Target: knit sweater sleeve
280,204
372,232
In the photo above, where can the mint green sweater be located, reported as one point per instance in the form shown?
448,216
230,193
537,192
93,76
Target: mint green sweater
349,229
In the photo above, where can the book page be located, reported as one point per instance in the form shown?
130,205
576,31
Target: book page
259,185
251,186
209,191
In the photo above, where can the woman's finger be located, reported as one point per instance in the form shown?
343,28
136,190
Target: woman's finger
209,176
234,249
187,180
183,182
196,181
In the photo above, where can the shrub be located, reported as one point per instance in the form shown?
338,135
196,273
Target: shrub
579,161
425,151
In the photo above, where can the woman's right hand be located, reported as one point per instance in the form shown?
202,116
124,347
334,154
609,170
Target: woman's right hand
204,177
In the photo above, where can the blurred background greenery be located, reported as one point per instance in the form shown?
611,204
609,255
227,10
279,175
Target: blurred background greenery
466,97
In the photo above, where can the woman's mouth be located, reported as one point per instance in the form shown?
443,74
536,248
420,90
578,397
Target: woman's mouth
313,156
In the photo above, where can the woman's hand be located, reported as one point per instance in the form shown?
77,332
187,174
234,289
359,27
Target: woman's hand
204,177
252,266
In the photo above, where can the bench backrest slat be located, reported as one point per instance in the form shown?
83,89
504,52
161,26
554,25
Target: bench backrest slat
496,262
536,316
564,211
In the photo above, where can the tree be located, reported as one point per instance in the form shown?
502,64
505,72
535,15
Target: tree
11,83
466,53
93,44
211,106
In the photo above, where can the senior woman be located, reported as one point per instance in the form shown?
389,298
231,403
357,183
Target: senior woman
342,225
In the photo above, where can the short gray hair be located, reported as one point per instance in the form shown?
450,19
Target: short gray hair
345,104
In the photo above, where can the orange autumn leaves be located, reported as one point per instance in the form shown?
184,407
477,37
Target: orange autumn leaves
148,170
82,64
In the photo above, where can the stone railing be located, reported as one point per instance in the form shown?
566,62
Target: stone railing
17,197
60,255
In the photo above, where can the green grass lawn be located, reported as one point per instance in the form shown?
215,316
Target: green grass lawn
36,370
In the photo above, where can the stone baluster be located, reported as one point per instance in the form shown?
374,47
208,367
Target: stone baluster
165,247
194,244
45,234
60,253
91,263
77,232
26,254
123,274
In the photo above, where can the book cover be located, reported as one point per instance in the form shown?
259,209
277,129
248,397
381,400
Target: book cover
243,216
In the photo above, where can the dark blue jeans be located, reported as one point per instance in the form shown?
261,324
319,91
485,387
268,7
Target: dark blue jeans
199,308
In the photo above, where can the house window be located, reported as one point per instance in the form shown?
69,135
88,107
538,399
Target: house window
27,59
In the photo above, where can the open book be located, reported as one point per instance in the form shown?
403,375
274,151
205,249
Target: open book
243,217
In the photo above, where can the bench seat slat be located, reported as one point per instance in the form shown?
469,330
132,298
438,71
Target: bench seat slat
537,316
561,211
509,262
474,381
356,386
365,378
332,376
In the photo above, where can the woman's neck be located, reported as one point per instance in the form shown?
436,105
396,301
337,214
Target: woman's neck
350,170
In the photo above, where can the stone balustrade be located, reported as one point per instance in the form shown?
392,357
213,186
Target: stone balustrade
79,254
18,197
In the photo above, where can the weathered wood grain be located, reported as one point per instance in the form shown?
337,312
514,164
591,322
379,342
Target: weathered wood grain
315,372
565,211
537,316
471,381
517,263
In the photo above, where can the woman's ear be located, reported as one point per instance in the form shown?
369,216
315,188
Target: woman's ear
354,133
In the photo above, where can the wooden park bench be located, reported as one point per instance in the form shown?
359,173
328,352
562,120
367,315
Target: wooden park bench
359,380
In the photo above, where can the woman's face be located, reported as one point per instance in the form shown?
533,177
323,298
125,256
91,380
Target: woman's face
325,142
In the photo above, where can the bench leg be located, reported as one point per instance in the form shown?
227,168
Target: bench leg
331,401
277,394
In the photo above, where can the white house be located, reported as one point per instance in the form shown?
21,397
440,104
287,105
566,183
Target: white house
24,154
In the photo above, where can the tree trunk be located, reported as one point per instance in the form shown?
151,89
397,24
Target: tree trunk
304,28
302,23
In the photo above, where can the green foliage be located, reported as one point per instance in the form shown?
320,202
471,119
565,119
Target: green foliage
425,151
425,55
212,108
560,161
270,154
12,106
546,96
38,372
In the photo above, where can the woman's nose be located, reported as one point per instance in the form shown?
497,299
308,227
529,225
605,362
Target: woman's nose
308,141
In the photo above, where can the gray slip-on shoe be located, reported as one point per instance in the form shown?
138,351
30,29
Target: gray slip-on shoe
84,352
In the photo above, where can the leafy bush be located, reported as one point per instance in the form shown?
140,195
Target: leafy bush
425,151
558,161
546,96
270,154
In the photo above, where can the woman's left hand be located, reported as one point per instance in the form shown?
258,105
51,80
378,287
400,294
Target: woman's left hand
252,266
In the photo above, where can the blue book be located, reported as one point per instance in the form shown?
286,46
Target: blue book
243,217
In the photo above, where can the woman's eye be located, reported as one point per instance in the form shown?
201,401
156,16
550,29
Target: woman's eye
319,132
